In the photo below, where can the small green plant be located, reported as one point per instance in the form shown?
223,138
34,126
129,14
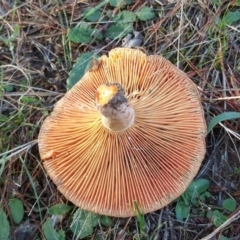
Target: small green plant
83,222
236,171
140,219
8,41
87,31
50,233
48,227
5,227
197,191
229,18
17,213
196,194
219,216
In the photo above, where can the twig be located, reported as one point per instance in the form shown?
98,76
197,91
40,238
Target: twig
15,152
159,224
123,230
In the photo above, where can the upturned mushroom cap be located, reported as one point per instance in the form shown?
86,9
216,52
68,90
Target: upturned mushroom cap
151,162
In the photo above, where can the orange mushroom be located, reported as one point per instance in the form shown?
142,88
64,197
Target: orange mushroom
131,130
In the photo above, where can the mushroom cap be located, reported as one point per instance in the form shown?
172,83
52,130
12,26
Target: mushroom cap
151,163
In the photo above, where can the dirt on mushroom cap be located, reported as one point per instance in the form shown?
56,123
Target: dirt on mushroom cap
151,163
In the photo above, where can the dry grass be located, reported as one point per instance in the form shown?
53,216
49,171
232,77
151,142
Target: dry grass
36,63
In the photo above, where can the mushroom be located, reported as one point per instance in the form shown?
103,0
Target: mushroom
131,131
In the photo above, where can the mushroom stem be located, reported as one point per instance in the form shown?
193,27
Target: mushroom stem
117,114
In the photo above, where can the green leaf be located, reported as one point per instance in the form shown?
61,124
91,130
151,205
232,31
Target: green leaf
30,100
222,117
181,210
218,218
119,30
106,221
197,187
50,233
125,17
119,3
61,235
5,227
224,238
83,34
8,88
145,14
231,17
186,198
209,215
195,201
114,31
229,204
218,221
92,16
83,223
123,26
194,191
79,68
207,194
16,209
93,13
59,209
217,2
204,195
216,213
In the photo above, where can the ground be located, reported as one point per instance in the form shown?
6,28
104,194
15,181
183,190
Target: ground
39,43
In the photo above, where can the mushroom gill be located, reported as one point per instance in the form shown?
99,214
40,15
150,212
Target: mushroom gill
150,161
